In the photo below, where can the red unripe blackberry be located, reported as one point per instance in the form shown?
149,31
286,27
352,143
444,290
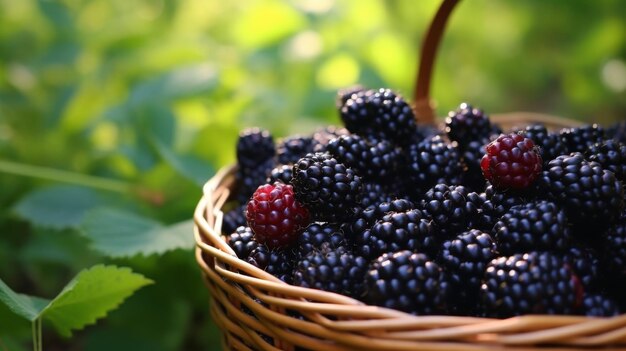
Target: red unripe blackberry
274,215
511,162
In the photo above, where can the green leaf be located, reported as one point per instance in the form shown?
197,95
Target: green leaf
121,234
57,207
191,167
90,296
28,307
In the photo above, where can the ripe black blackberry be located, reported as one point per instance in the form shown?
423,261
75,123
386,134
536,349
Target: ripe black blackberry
494,203
611,155
254,147
585,263
467,124
617,132
408,282
578,139
550,144
465,259
233,219
375,193
540,225
327,187
293,148
431,162
473,177
591,196
343,95
281,174
277,262
317,235
242,241
366,217
530,283
323,136
249,179
372,159
336,271
599,305
449,209
409,230
379,113
614,249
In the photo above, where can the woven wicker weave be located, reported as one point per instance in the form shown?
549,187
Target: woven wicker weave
279,316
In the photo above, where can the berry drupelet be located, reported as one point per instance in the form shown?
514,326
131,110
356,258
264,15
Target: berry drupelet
317,235
323,136
538,225
326,186
282,174
511,162
233,219
530,283
431,162
585,263
275,216
277,262
591,196
599,305
372,159
379,113
408,282
464,259
291,149
578,139
467,124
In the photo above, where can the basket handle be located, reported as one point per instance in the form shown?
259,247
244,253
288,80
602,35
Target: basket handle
424,109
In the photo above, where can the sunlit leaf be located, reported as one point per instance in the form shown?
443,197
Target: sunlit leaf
121,234
28,307
90,296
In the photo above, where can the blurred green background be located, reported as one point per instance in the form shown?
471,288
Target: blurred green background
146,98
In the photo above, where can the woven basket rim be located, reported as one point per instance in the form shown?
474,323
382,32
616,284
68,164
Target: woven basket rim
337,322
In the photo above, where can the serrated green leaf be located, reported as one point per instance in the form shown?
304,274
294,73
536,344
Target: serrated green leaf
90,296
28,307
57,207
121,234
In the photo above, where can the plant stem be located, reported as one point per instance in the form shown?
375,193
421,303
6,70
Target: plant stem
34,327
64,176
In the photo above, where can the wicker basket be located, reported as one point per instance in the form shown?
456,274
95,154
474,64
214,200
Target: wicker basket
283,317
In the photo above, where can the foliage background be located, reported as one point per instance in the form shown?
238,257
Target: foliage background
147,97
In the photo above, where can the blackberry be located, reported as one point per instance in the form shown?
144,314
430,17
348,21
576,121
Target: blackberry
448,208
254,147
365,218
467,124
343,95
591,196
323,136
374,194
275,216
431,162
578,139
534,226
493,204
242,241
281,174
380,113
371,159
465,259
234,219
611,155
397,231
530,283
277,262
408,282
473,175
617,132
293,148
327,187
249,179
599,305
614,248
511,162
550,144
317,235
336,271
585,263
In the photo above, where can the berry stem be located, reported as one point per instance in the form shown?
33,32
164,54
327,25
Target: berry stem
424,109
